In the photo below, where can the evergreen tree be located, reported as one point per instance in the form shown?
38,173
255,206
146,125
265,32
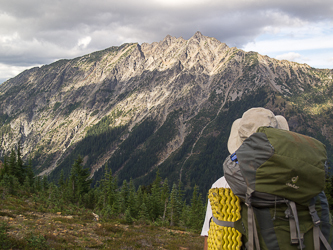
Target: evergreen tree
62,179
329,191
128,217
165,196
11,184
26,184
89,199
37,184
116,206
4,170
19,168
79,181
185,214
107,212
103,194
30,173
112,190
12,164
53,199
45,184
180,191
8,184
5,165
132,205
124,197
105,188
143,214
196,214
175,206
155,206
66,191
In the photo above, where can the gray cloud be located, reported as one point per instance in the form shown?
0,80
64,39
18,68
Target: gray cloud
38,32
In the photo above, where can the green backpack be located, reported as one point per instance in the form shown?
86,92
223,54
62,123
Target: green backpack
280,177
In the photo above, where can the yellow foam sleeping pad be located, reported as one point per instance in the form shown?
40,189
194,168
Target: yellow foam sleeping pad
226,207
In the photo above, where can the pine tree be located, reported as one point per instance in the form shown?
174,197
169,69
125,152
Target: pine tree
66,192
30,173
5,169
101,192
154,204
184,217
128,217
37,184
45,184
116,206
132,205
62,179
8,184
89,199
79,181
143,214
196,214
104,188
53,196
329,191
12,164
165,196
26,184
113,193
139,196
124,197
174,206
2,171
19,168
11,184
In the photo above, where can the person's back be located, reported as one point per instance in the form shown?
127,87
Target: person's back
241,130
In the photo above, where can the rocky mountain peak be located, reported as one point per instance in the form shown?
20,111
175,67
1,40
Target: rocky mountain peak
168,40
139,107
198,36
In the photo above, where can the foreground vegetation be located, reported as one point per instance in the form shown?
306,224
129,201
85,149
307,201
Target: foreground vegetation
37,214
22,226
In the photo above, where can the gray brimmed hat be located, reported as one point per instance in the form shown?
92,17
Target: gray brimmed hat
251,120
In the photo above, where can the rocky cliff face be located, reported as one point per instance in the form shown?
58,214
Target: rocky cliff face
123,101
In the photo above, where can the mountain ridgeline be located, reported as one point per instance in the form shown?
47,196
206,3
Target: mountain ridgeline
168,105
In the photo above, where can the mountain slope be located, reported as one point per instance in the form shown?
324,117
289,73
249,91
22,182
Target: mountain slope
166,105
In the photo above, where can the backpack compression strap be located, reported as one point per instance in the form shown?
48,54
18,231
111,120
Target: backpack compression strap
223,223
296,237
317,233
251,222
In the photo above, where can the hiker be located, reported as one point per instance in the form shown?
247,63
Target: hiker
241,129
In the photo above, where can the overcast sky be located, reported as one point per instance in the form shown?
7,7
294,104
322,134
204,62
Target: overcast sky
37,32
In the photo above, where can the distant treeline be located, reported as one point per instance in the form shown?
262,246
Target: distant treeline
156,202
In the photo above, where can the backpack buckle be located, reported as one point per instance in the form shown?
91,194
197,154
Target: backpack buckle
315,218
248,197
233,157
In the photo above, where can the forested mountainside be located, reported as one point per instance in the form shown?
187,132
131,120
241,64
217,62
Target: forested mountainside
168,105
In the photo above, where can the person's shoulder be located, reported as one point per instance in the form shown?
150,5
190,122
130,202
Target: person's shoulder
221,183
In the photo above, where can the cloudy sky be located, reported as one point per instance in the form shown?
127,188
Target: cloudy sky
37,32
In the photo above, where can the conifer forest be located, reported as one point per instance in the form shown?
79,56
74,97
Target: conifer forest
159,203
